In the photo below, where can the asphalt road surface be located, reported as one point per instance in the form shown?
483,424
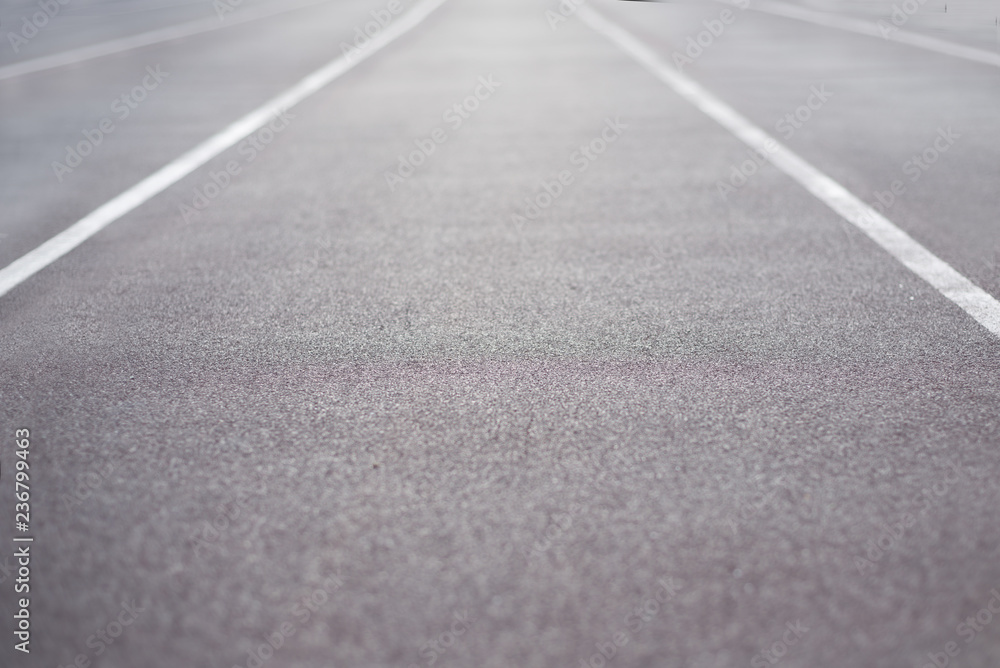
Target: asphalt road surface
493,343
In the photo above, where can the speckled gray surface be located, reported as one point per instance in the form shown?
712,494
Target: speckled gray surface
507,440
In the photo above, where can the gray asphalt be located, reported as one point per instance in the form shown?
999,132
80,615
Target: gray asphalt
698,427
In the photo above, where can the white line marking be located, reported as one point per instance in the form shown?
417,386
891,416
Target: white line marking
27,265
863,27
143,39
970,298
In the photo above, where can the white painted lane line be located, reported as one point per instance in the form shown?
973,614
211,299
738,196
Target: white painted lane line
871,29
25,266
972,299
92,51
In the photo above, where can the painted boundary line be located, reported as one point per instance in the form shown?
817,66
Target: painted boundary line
27,265
114,46
863,27
953,285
